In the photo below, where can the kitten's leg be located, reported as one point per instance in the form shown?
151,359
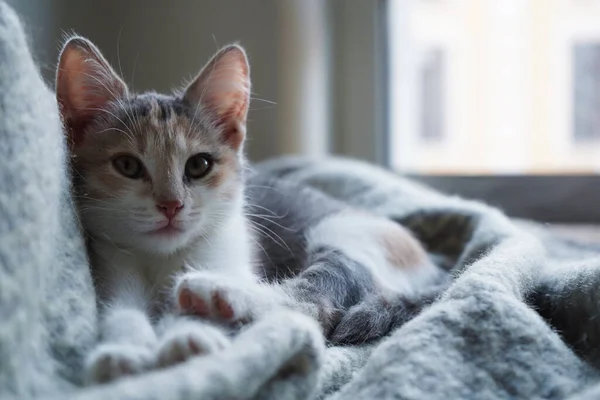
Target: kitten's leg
183,338
332,282
356,262
339,291
351,258
229,297
127,338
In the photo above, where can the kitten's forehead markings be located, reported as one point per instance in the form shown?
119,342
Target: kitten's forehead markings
166,149
180,140
154,112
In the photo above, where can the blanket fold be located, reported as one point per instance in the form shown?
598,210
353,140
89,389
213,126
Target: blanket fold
276,358
519,319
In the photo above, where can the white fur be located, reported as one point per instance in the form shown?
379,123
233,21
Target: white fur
247,298
136,280
113,360
185,338
356,235
155,271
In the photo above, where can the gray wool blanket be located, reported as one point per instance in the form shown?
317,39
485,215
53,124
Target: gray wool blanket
520,319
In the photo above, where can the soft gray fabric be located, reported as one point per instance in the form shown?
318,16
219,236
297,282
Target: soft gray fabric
44,280
481,340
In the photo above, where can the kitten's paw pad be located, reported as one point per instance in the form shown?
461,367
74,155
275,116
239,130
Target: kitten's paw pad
216,305
216,298
111,361
183,343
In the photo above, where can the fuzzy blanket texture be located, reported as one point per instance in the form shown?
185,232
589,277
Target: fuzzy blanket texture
519,320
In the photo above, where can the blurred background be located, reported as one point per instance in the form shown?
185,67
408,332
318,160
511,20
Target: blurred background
493,99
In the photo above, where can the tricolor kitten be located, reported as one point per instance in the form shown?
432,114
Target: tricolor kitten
179,228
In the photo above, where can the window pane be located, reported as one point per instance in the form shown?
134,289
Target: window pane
495,87
431,88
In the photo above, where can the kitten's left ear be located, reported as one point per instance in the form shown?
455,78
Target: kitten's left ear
222,89
85,86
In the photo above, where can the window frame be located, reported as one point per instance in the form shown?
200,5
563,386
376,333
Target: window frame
359,66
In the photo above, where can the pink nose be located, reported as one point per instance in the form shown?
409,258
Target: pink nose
170,208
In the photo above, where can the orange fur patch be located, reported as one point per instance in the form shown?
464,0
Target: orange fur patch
227,166
402,249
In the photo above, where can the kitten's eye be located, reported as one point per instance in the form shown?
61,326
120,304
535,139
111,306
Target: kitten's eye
129,166
198,166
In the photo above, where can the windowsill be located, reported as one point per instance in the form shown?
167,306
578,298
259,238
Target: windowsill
543,198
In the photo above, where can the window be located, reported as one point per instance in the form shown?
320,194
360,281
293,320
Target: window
498,100
522,90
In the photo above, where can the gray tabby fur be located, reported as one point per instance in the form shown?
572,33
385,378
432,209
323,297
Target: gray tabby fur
284,211
482,339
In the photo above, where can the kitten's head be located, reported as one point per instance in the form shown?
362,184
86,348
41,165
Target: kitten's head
154,172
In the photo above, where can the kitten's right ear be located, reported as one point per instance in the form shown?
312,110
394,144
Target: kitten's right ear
85,84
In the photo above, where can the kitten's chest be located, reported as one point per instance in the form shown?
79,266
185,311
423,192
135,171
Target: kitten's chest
158,272
153,275
116,271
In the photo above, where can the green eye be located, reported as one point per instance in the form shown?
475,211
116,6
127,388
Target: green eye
129,166
198,166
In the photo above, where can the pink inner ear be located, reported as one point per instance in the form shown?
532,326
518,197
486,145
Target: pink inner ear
79,104
230,111
85,85
76,125
223,90
234,107
227,98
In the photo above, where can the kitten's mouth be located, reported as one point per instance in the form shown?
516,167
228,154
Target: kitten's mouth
167,230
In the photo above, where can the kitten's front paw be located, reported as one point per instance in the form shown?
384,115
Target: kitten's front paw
218,298
184,342
112,361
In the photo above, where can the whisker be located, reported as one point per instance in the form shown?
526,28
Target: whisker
266,218
269,211
263,100
271,234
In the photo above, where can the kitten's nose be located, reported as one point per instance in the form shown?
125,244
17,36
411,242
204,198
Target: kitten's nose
170,208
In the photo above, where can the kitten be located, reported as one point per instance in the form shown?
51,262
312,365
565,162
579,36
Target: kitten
180,228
